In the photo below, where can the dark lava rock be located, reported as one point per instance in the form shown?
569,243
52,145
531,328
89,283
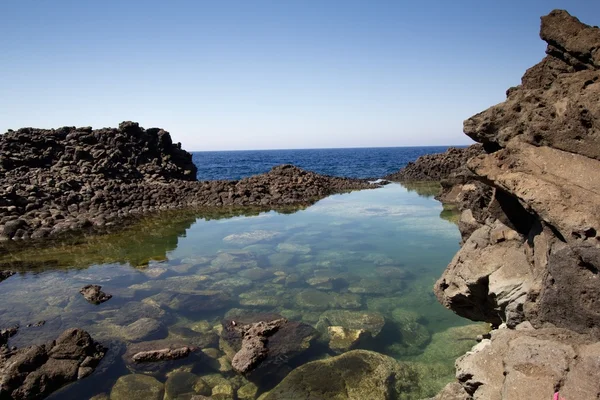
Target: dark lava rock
436,167
94,295
6,274
57,181
36,371
286,347
161,354
254,343
5,334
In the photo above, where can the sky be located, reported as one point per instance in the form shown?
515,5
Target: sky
232,75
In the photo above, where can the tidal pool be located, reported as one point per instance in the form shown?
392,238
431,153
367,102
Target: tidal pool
356,268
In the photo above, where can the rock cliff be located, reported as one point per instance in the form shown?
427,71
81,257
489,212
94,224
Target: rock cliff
531,254
70,179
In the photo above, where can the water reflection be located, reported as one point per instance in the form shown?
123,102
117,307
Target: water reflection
352,271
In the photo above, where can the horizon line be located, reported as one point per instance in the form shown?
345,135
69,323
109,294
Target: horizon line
332,148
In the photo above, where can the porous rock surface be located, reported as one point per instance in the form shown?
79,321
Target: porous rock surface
436,167
36,371
530,223
70,179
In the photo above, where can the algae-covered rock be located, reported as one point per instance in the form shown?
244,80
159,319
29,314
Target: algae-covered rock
346,330
315,300
447,345
348,300
137,386
413,334
181,386
355,375
247,392
223,391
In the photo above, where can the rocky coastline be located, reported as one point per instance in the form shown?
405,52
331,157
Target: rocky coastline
529,219
79,179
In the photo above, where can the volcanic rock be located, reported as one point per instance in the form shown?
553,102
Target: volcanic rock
36,371
94,295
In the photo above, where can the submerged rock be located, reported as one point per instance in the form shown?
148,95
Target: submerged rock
6,334
346,330
248,238
254,347
137,386
94,295
271,359
36,371
355,375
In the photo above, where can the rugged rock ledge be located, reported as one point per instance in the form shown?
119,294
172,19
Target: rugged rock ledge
69,179
36,371
530,223
436,167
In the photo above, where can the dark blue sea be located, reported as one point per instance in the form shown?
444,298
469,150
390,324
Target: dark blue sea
352,163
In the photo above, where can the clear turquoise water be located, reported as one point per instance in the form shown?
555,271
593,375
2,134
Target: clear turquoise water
385,248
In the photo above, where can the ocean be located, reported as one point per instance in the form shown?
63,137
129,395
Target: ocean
352,163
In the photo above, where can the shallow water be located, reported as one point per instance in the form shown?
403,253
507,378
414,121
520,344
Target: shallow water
375,253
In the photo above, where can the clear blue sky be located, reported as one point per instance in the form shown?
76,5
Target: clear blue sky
269,74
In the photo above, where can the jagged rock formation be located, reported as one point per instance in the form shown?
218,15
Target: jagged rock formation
531,252
436,167
36,371
69,179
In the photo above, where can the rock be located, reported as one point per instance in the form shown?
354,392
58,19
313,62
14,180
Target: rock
161,354
315,300
346,330
530,226
93,180
357,374
37,371
413,334
248,238
181,385
6,334
254,347
288,343
137,386
539,360
223,392
145,329
94,295
247,392
6,274
436,167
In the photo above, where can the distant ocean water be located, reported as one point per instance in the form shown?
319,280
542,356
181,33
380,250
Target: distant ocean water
352,163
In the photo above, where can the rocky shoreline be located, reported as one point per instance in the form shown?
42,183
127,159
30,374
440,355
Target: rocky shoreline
78,179
529,220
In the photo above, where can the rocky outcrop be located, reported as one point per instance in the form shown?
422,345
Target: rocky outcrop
70,179
36,371
94,295
436,167
530,224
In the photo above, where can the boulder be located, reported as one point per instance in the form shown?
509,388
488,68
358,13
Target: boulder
36,371
137,386
357,374
94,295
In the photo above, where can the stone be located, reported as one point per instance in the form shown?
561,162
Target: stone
94,295
357,374
182,385
315,300
346,330
145,329
252,237
137,386
72,356
247,392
